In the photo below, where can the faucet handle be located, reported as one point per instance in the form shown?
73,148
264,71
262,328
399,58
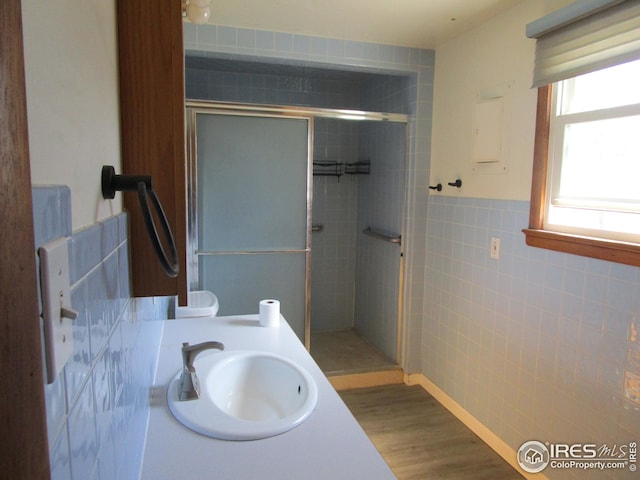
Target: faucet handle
189,352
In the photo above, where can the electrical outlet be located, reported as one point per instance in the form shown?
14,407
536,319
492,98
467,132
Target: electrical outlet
495,247
56,305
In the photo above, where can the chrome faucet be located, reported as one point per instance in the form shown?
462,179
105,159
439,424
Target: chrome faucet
189,383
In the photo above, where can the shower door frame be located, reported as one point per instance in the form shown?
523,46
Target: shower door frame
194,107
217,108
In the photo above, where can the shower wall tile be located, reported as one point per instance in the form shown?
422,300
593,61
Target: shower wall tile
388,94
230,40
287,87
264,40
381,200
318,46
283,42
335,207
100,385
381,196
225,36
536,344
246,39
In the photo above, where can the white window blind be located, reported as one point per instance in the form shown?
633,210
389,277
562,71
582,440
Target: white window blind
585,36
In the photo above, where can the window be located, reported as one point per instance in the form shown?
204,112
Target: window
595,154
586,184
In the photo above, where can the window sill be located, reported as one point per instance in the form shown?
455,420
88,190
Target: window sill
613,251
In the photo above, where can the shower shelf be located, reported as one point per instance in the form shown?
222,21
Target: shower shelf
337,169
328,169
362,167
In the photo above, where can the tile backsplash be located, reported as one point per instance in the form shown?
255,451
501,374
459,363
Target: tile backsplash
97,408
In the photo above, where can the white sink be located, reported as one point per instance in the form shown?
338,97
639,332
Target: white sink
245,395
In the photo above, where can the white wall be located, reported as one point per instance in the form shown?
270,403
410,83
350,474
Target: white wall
72,99
495,58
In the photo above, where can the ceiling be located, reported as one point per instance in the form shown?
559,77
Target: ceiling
409,23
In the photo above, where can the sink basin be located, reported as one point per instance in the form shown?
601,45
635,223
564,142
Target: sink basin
245,395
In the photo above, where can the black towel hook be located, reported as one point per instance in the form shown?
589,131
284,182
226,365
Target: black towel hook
112,183
457,183
437,187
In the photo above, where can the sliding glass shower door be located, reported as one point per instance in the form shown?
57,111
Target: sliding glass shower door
250,188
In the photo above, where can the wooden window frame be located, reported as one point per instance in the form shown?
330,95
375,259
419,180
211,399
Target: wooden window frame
536,236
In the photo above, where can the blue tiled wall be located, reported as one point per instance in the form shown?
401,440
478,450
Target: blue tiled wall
262,44
537,344
275,86
335,207
97,408
381,202
381,197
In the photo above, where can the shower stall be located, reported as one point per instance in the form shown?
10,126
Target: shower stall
305,204
357,247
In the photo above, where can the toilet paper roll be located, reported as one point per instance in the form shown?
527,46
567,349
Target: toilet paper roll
269,313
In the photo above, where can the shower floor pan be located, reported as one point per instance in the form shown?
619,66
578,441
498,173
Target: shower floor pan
345,352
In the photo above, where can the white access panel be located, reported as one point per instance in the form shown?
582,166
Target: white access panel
487,131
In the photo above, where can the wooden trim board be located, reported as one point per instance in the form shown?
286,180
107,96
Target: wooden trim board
23,429
368,379
152,123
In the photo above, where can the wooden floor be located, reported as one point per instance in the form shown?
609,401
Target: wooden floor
420,439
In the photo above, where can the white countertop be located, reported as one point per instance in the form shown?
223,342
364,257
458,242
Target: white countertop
328,445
